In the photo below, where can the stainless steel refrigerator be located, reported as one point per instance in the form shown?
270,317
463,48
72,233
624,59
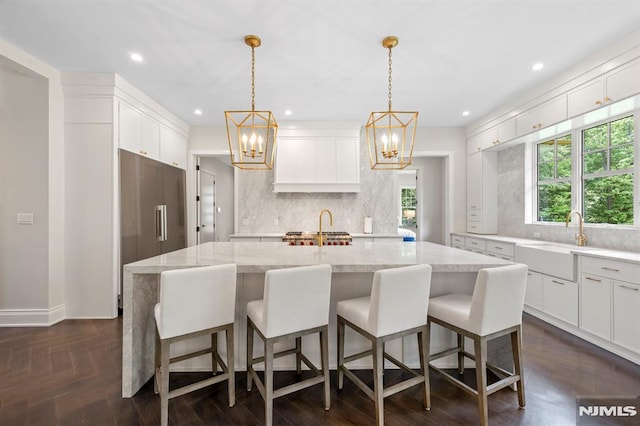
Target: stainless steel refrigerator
152,208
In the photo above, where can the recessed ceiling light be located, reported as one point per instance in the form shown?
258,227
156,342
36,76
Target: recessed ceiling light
287,112
136,57
197,112
537,66
465,113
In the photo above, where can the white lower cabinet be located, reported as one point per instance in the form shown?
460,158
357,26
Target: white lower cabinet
626,306
595,304
533,295
560,299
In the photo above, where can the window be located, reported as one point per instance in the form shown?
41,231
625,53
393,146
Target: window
408,203
596,174
607,172
554,179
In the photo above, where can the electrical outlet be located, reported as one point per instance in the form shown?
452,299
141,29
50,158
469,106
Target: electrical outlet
25,218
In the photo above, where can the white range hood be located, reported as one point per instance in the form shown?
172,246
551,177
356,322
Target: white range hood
318,157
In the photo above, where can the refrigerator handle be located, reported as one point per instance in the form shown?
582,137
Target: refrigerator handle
161,222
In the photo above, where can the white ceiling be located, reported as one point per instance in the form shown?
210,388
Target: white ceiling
322,59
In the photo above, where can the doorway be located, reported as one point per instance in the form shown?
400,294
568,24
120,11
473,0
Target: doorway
206,201
408,224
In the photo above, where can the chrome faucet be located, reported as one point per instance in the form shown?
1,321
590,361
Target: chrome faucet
319,236
582,239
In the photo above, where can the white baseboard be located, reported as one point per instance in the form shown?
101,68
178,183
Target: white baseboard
31,317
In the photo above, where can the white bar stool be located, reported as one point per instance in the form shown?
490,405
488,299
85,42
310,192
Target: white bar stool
494,310
295,303
397,307
194,302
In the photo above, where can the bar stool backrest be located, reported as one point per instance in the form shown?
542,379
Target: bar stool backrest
196,299
399,299
296,299
498,298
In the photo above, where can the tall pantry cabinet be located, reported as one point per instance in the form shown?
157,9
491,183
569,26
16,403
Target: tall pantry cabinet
103,113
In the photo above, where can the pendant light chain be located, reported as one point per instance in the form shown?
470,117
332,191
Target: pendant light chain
389,79
253,78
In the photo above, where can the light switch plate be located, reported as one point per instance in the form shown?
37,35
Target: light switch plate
25,218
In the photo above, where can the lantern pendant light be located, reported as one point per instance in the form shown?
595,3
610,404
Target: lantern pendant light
390,134
252,134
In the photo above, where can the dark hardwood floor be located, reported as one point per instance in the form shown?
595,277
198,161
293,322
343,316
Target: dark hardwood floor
69,374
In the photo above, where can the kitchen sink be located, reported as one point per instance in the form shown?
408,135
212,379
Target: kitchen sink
549,258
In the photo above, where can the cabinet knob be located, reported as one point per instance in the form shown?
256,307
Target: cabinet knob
598,102
607,99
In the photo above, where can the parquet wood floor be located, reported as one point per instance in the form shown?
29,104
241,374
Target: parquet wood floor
70,373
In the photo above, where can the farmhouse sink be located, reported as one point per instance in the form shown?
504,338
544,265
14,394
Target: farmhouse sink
549,258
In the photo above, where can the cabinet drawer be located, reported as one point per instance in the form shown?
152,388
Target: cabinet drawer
560,299
457,240
474,215
474,227
611,269
499,256
475,243
500,248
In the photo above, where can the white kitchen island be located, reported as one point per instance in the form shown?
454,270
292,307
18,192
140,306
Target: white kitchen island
353,266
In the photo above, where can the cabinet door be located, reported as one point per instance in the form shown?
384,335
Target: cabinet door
624,82
585,98
595,305
348,160
506,131
150,137
560,299
474,181
533,294
173,148
129,120
626,305
489,138
544,115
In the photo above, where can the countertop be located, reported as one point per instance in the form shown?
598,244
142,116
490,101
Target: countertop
278,235
598,252
359,257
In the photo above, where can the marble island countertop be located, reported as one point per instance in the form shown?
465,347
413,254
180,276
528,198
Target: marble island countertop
359,257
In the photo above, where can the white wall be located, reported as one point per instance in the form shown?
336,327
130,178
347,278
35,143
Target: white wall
32,140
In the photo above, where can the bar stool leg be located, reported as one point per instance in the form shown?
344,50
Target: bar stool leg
249,355
324,354
298,357
214,353
231,368
460,354
268,381
164,382
423,350
516,348
156,370
481,378
378,387
340,343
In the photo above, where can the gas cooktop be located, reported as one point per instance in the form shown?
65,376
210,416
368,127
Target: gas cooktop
308,238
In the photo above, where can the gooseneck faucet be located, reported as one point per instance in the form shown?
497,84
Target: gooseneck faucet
580,237
319,237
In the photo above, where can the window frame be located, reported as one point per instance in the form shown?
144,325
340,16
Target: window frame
577,177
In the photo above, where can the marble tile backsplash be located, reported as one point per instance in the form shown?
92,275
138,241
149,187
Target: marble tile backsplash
511,221
259,208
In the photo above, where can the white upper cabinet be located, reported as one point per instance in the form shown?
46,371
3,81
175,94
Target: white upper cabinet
496,135
129,120
150,136
586,98
544,115
173,148
317,160
623,82
139,133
